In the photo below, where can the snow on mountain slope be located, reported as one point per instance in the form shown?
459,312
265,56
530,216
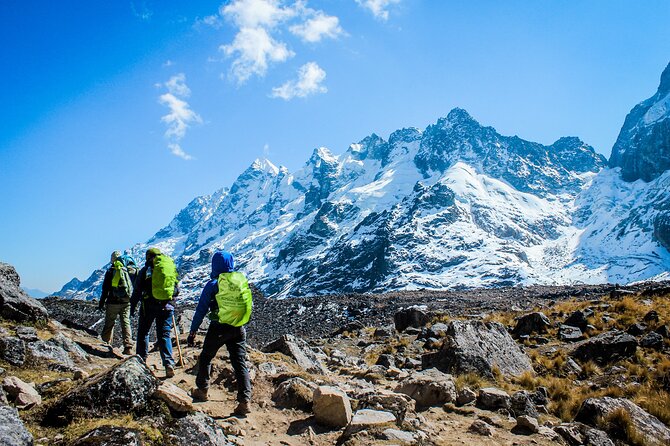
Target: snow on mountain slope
456,205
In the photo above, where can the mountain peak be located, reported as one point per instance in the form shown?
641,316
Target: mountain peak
460,116
264,165
664,87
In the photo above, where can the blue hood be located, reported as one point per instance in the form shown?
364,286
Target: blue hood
222,262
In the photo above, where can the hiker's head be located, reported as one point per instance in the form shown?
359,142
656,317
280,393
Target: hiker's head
222,262
151,254
115,255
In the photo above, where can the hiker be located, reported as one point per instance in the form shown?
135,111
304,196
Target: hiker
117,288
227,297
155,288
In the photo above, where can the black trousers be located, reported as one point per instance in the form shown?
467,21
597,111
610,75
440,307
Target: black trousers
234,338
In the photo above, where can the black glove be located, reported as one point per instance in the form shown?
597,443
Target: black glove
190,341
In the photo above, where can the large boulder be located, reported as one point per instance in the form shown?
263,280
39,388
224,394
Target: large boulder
15,304
478,347
531,323
429,388
595,411
411,317
196,429
606,347
12,430
110,436
295,393
13,350
297,349
124,388
331,406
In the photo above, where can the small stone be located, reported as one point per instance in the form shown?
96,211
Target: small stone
492,398
525,423
80,374
331,406
465,396
398,435
366,419
636,329
480,427
569,333
176,398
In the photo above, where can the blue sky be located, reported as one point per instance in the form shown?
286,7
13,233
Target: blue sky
118,113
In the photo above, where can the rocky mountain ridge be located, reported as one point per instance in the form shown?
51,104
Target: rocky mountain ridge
455,206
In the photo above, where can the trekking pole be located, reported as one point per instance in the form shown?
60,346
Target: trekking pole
176,335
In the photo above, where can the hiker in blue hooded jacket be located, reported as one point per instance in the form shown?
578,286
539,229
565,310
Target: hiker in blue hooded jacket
227,299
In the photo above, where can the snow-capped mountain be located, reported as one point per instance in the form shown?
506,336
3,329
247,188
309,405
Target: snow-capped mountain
455,205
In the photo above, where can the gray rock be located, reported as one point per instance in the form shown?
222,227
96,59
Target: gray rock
578,434
482,428
12,430
577,319
297,349
124,388
398,404
15,304
366,418
606,347
437,331
68,345
47,352
651,316
110,436
652,340
664,331
647,425
386,360
383,332
531,323
22,394
410,317
3,397
526,424
429,388
13,350
522,403
27,334
465,396
636,329
571,367
569,333
492,399
196,429
399,436
478,347
295,393
331,406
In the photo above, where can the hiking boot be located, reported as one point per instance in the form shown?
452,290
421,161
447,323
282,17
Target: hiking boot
199,394
169,371
128,351
242,409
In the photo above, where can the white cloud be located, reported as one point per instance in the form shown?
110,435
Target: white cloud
141,11
379,8
318,27
256,13
180,116
266,149
310,77
178,151
177,85
254,48
167,63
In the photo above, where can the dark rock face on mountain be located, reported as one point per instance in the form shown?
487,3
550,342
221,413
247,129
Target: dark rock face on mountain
15,304
642,149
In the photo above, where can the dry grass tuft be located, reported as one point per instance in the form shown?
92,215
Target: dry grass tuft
620,425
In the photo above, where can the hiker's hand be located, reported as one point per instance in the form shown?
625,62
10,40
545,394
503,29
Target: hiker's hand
190,341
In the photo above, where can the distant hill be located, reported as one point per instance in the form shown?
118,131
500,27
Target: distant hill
34,292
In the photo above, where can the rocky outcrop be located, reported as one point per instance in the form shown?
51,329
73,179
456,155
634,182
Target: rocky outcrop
606,411
124,388
478,347
15,304
642,150
12,430
606,347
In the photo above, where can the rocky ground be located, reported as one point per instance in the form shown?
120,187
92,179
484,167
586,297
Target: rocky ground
513,366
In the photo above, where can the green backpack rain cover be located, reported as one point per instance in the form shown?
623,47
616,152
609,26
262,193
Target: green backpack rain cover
122,284
163,277
233,299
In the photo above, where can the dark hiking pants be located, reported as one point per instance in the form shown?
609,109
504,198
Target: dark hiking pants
234,338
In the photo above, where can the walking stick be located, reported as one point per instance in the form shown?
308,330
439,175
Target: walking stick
176,335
